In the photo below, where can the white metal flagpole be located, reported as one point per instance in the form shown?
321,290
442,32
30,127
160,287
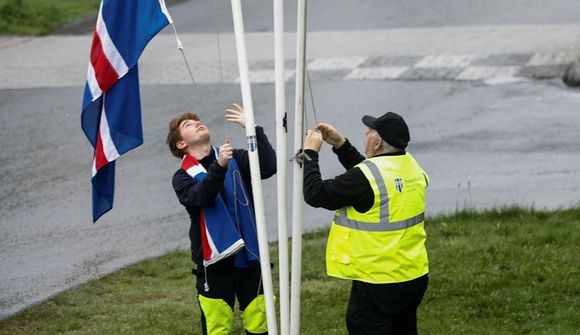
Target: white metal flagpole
297,199
254,167
281,166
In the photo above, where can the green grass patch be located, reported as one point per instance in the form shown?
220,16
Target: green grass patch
508,271
41,17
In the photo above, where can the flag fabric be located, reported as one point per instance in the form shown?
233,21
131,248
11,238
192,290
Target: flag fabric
111,110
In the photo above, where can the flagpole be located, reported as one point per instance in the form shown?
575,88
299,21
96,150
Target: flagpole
297,199
281,131
254,166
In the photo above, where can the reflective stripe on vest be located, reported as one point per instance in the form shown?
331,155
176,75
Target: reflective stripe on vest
384,224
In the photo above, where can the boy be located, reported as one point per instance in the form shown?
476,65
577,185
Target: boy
214,185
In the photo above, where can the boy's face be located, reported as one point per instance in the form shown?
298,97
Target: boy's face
192,132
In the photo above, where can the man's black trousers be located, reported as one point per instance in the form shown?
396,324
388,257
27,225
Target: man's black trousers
385,308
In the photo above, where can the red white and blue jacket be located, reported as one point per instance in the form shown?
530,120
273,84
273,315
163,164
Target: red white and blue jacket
195,194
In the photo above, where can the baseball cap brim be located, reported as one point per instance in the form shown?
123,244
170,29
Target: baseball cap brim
369,121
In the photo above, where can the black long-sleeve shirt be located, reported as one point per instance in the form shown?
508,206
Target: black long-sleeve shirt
194,194
351,188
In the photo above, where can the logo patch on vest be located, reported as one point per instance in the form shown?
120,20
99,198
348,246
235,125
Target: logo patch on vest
399,184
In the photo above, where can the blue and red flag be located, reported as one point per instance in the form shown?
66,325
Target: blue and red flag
111,114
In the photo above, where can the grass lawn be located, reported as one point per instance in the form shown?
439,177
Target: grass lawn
509,271
41,17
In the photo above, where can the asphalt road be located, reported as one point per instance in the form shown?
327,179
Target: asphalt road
192,16
483,144
197,16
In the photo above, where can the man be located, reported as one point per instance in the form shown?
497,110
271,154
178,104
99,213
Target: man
214,185
377,238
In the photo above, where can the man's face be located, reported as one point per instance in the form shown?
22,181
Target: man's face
193,132
369,142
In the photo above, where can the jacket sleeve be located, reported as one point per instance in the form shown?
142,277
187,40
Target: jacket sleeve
348,155
265,152
199,193
349,189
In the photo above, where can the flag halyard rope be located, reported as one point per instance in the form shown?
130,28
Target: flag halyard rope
300,155
195,87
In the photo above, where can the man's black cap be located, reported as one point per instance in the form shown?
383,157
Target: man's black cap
391,127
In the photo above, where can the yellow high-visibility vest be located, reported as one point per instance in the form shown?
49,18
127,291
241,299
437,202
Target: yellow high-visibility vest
386,244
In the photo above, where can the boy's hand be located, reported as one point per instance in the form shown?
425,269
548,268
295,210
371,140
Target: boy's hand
226,153
236,115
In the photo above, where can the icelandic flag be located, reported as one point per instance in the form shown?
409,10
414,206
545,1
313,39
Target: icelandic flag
111,112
